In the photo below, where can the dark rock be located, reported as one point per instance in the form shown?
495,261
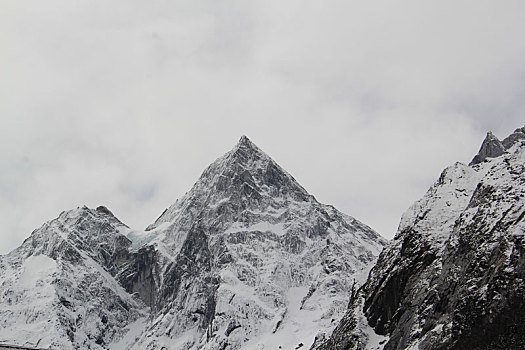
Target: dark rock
518,134
490,148
102,209
138,272
457,285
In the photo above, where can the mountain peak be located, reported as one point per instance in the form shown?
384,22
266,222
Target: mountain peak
221,267
104,210
490,148
245,176
245,145
245,155
248,164
244,141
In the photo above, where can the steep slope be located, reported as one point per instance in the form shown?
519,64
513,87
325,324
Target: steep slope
251,260
58,289
453,276
246,259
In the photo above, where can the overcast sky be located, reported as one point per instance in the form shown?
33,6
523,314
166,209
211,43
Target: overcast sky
125,102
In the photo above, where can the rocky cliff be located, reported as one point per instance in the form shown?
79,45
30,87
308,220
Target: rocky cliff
453,277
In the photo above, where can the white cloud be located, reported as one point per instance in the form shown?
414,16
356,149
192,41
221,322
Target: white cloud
125,103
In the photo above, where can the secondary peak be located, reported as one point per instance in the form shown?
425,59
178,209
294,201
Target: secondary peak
490,148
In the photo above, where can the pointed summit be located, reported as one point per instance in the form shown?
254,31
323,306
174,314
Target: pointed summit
244,141
490,148
245,176
247,148
247,225
221,267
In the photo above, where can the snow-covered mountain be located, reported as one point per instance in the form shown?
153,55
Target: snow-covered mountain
247,259
453,277
60,288
251,260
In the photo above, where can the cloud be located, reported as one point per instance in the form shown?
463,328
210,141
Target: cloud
125,103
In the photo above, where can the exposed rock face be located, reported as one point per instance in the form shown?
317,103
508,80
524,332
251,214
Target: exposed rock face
453,277
518,134
491,148
246,259
138,274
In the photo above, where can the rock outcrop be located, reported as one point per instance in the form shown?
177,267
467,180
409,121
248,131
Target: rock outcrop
492,147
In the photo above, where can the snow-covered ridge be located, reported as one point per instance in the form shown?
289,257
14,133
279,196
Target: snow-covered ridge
452,278
58,289
270,246
246,259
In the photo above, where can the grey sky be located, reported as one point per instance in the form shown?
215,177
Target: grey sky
124,103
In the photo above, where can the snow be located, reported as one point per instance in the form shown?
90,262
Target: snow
297,325
437,211
139,238
438,328
44,298
374,341
37,272
278,251
132,334
27,297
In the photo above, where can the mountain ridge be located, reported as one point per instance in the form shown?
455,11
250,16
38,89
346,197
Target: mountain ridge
254,204
245,259
452,278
